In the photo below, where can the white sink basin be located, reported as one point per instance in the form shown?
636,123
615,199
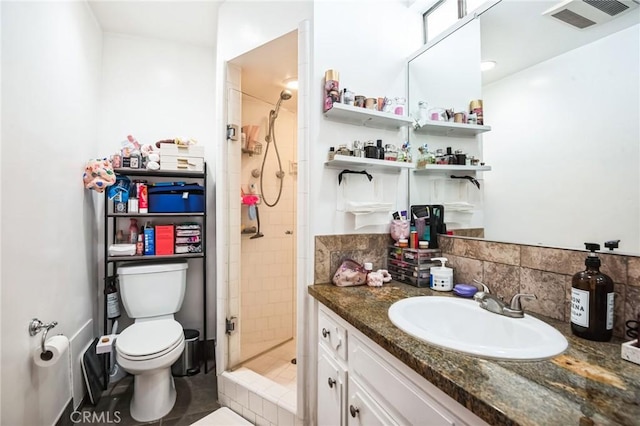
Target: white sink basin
462,325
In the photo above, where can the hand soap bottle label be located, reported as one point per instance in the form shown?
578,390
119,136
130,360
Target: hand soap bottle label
610,298
580,307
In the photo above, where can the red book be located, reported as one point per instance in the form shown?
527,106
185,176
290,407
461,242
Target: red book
164,239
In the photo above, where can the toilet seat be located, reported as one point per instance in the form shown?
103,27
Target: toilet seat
150,339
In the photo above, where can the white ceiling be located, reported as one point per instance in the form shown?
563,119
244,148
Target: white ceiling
516,35
265,67
193,22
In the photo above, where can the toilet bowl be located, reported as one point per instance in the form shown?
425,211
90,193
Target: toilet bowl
151,294
147,350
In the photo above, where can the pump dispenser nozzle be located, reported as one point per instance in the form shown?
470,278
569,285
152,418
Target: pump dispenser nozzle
592,258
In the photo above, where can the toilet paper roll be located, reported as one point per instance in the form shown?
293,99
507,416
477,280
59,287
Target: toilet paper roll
55,347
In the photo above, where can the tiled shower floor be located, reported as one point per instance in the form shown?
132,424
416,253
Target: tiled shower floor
276,365
263,390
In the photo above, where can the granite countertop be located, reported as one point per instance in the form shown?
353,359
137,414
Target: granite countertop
588,384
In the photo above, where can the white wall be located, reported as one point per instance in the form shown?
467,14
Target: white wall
51,55
368,43
565,167
154,90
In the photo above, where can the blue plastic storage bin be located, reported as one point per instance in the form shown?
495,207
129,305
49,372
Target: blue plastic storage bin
177,198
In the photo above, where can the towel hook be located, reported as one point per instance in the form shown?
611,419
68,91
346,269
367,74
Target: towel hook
36,326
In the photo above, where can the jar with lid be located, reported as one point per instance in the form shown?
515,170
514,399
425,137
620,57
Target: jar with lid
398,108
390,152
370,150
441,157
343,150
423,158
461,157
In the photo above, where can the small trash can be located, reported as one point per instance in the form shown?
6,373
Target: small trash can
189,362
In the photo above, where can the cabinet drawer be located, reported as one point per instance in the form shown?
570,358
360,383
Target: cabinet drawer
362,410
181,150
180,163
333,335
405,402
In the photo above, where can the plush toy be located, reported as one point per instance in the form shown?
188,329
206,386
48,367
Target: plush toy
98,175
375,279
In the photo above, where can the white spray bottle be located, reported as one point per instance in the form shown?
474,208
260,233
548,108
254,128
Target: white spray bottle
441,276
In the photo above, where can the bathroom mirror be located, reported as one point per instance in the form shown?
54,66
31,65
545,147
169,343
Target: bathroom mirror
563,106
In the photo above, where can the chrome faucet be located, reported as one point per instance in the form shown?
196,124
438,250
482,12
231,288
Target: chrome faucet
498,306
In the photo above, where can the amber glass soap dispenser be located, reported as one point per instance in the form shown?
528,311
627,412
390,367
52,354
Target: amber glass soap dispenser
592,300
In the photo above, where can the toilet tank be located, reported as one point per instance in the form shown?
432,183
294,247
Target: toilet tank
152,289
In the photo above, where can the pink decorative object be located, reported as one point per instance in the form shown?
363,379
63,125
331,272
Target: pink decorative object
98,175
399,229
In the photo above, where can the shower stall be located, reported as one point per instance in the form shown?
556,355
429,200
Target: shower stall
267,228
261,180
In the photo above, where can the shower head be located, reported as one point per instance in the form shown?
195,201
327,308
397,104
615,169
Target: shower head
285,95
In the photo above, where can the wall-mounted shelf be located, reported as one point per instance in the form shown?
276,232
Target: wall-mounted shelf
367,117
451,168
445,128
345,162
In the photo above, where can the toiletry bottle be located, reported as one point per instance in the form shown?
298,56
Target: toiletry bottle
133,231
140,245
592,300
113,300
380,149
332,153
441,276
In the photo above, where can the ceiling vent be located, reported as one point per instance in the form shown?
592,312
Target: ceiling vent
586,13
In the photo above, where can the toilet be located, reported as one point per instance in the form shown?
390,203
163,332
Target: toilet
151,293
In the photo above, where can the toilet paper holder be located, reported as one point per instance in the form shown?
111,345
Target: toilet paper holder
35,327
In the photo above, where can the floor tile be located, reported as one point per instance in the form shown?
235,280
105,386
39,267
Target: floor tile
196,397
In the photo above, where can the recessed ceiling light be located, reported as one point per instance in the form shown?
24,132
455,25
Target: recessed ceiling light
291,83
487,65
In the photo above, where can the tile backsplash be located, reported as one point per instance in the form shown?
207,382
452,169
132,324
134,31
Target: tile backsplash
506,268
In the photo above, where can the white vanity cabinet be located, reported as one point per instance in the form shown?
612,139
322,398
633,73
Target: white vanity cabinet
380,389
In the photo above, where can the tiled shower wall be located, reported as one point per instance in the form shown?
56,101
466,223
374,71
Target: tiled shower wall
267,313
506,268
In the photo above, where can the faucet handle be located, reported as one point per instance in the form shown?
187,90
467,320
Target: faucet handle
484,287
515,300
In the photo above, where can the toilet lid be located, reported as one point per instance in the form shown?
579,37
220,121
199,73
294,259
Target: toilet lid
142,339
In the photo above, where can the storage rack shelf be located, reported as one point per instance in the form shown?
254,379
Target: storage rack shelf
154,214
110,219
154,257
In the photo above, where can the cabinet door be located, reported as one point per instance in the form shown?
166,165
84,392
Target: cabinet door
331,391
333,335
362,410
